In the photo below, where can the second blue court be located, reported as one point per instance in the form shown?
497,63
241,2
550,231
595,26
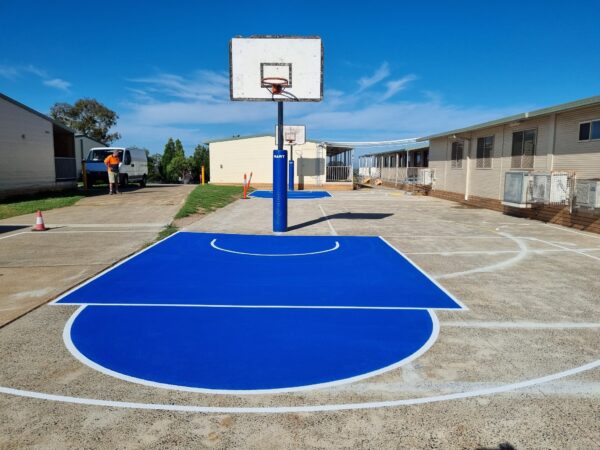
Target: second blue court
293,195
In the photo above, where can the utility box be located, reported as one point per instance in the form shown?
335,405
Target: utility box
517,190
588,193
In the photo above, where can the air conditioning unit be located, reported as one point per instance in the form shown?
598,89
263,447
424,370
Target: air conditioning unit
517,189
588,193
549,187
426,177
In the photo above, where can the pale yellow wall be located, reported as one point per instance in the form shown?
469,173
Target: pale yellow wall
26,161
570,154
229,160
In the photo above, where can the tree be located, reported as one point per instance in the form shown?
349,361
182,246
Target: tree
167,156
197,160
178,168
88,116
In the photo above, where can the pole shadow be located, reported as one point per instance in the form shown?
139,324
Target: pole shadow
344,216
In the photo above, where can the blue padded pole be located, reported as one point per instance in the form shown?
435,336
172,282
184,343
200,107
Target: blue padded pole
280,177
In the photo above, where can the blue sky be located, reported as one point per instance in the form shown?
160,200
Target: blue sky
392,70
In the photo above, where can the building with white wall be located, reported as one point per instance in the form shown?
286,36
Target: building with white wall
37,152
473,161
317,165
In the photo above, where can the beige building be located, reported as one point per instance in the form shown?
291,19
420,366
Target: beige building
317,165
37,152
473,161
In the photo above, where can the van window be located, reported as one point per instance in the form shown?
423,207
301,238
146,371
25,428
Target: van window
127,160
100,155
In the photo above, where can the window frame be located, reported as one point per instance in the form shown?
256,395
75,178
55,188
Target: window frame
535,148
589,139
491,153
454,161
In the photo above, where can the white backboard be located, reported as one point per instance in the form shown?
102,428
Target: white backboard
298,132
298,59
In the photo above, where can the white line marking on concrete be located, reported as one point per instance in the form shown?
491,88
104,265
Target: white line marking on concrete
522,325
299,409
216,247
216,305
523,251
54,302
333,232
84,360
572,250
425,274
499,252
17,234
569,230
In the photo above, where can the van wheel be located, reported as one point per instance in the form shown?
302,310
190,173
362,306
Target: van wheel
124,181
143,181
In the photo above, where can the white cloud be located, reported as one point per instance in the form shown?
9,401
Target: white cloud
18,71
58,83
9,72
395,86
380,74
197,107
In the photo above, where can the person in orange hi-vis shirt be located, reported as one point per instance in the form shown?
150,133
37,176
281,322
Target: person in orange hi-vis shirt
112,165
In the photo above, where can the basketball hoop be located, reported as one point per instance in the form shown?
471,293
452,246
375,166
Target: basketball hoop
275,84
290,137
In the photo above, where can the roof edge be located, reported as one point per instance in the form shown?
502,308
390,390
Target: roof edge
588,101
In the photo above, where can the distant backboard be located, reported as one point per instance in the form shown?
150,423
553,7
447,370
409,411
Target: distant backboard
297,59
292,134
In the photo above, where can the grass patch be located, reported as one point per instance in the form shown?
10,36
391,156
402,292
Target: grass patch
43,202
167,231
208,198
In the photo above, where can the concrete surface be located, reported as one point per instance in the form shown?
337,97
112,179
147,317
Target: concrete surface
534,310
83,240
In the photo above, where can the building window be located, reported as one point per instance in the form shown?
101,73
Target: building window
589,131
457,154
485,152
523,149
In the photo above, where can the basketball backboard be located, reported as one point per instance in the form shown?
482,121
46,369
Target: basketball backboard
292,134
297,59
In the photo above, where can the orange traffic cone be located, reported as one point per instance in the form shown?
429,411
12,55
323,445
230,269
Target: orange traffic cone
39,222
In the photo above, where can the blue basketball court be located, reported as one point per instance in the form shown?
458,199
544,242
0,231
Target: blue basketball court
293,195
244,313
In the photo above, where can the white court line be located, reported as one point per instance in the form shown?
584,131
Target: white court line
16,234
573,250
299,409
84,360
54,302
499,252
217,305
523,251
458,302
333,232
214,245
569,230
522,325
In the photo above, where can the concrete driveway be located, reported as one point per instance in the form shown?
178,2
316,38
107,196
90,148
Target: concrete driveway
83,240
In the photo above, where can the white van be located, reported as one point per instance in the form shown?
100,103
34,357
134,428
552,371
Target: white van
133,167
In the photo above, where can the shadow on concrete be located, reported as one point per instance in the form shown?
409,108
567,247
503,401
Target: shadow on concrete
502,446
345,216
9,228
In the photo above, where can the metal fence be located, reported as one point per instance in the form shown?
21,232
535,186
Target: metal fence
398,175
65,169
338,173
